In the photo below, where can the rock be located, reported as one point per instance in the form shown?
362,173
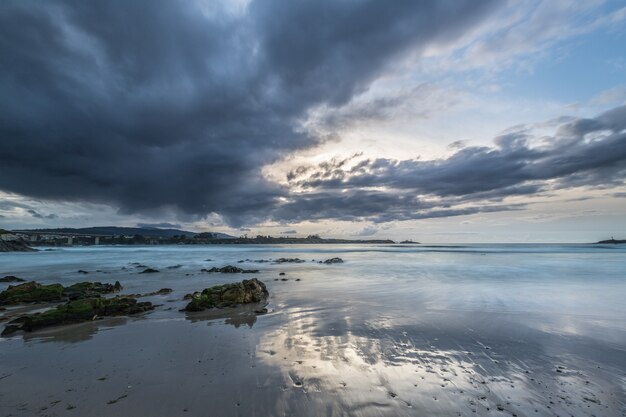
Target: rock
298,279
10,329
284,279
11,278
174,266
78,311
149,271
162,291
332,261
81,271
281,274
229,269
14,246
261,311
289,260
31,292
90,290
228,295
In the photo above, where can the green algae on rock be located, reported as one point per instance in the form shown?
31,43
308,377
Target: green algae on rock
34,292
228,295
78,311
31,292
90,289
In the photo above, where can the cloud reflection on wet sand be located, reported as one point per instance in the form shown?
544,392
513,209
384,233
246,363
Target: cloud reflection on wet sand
340,365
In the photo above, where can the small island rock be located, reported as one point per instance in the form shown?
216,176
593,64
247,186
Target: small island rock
228,295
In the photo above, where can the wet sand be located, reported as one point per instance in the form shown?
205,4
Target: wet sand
357,339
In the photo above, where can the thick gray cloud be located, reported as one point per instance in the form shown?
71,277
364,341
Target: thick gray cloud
38,215
165,104
582,153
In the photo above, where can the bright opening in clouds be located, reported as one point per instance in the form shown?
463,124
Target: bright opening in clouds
432,120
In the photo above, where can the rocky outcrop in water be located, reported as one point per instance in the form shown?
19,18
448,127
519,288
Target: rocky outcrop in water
34,292
78,311
332,261
31,292
229,269
289,260
162,291
11,278
229,295
14,246
90,290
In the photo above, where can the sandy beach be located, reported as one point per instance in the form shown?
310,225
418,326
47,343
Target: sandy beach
393,331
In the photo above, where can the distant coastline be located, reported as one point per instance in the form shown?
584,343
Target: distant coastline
154,236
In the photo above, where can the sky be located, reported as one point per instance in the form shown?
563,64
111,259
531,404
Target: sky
436,121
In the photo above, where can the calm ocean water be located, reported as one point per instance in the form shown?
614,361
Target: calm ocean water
588,281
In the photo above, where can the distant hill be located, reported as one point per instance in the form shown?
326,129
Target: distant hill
113,235
127,231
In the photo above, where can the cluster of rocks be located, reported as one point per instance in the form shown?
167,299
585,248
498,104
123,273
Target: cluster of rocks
83,301
228,295
14,246
229,269
34,292
289,260
332,261
78,311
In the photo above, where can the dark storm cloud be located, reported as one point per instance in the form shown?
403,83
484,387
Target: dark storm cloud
374,205
38,215
164,104
582,153
10,205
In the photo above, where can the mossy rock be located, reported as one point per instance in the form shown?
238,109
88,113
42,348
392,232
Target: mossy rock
90,289
227,295
78,311
31,292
